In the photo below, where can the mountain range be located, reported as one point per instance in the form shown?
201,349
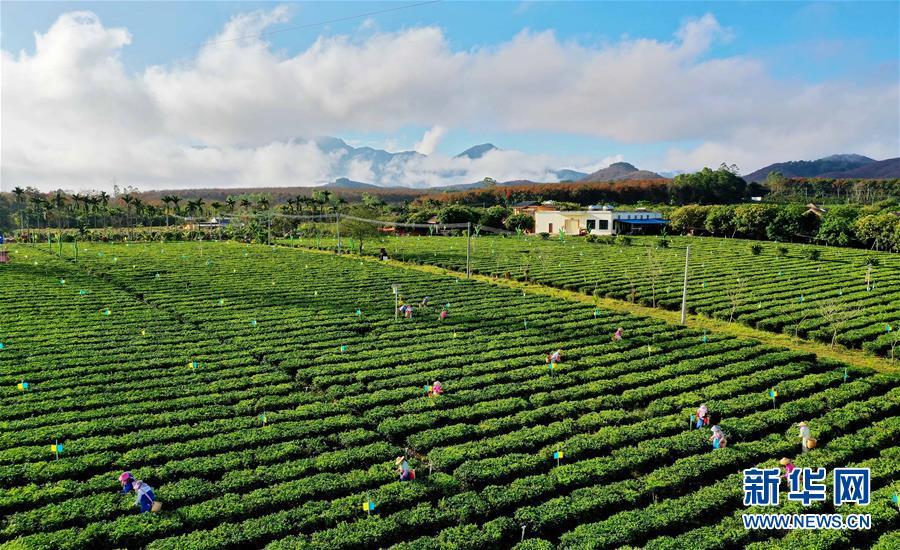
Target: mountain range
361,168
380,164
835,166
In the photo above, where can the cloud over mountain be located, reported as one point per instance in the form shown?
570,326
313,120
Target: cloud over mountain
241,113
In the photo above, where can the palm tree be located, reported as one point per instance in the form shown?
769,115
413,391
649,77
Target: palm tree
195,207
320,199
20,200
126,198
166,200
230,202
152,212
38,205
138,208
94,202
59,203
263,203
245,204
175,200
103,198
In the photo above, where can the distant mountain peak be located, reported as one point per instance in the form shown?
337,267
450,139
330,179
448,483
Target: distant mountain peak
478,151
624,166
830,165
619,171
347,183
849,157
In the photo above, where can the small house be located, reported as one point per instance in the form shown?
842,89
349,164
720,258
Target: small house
815,209
530,207
598,220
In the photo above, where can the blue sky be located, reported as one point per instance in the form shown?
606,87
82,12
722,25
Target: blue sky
793,45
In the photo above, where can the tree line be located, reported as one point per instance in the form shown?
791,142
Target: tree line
874,226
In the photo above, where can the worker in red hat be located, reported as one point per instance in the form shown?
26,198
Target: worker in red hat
146,500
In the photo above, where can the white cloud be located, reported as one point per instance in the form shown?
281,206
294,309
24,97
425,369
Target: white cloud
238,112
430,140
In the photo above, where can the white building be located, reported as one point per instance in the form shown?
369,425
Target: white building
596,221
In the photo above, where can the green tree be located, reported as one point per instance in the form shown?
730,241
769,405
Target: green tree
878,231
751,220
720,221
519,221
420,216
787,224
457,213
20,201
373,202
357,229
708,186
837,227
689,217
494,216
777,183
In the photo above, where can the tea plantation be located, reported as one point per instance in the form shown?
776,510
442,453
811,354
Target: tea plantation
819,293
265,393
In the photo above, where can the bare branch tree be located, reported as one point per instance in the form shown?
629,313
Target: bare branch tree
737,295
836,313
653,272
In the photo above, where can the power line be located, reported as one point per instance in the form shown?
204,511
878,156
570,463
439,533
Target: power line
319,23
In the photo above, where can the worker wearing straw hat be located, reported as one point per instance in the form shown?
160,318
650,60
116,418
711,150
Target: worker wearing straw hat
406,474
806,440
788,466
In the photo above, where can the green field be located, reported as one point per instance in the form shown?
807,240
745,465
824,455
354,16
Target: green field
161,359
824,299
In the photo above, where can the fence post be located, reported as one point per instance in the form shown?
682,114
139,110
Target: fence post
468,248
337,223
687,255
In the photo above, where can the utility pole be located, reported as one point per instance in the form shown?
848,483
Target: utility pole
468,247
337,223
396,289
687,255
